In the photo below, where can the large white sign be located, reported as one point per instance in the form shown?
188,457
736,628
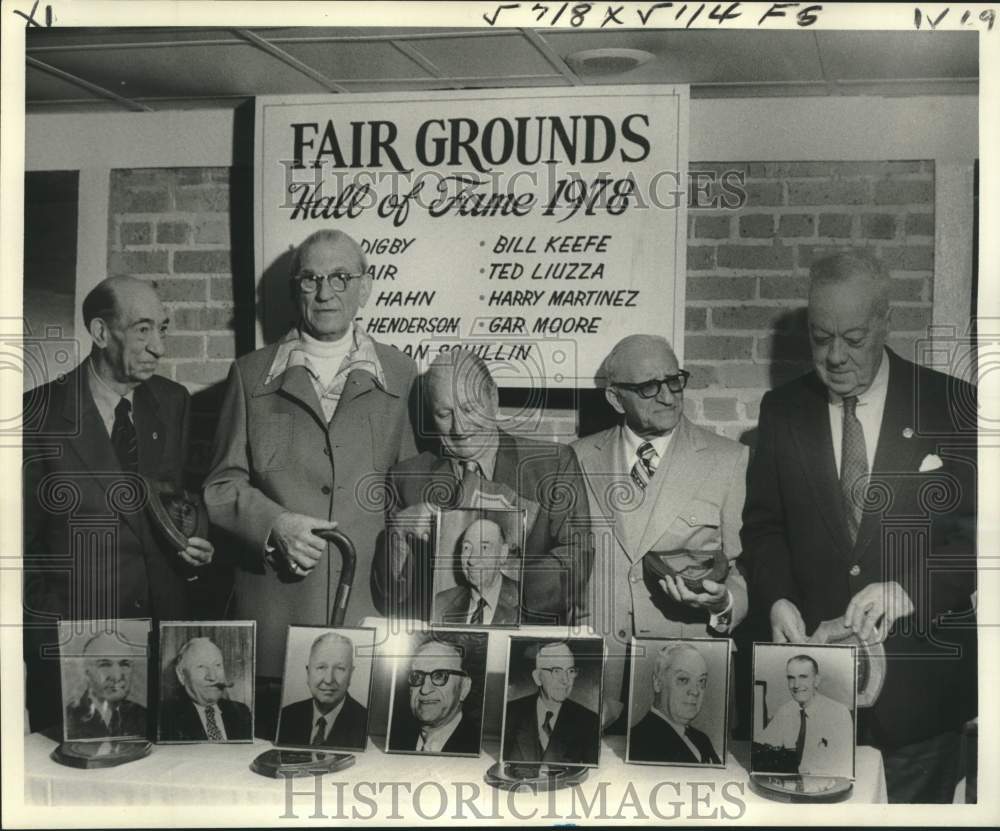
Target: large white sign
536,227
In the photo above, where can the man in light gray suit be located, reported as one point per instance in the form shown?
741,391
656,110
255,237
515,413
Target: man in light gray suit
657,482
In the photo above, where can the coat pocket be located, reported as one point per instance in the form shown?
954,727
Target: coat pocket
271,442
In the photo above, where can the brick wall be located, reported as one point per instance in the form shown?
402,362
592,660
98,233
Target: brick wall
185,228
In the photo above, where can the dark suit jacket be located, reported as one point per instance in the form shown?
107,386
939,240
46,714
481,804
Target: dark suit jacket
349,731
575,739
919,532
81,723
653,740
558,555
452,605
406,731
89,549
179,720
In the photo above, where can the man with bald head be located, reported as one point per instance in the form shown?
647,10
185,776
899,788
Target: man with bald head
330,717
659,483
485,595
842,522
104,710
473,457
88,437
433,718
665,734
549,726
308,426
202,710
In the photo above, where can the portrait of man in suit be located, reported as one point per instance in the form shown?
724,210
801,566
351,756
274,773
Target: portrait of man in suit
330,717
307,424
816,728
473,457
104,709
92,433
658,483
839,525
549,727
485,595
665,733
202,710
437,715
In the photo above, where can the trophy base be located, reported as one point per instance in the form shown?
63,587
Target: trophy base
538,778
90,755
801,787
285,763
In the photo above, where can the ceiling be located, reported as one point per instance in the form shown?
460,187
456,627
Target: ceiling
93,69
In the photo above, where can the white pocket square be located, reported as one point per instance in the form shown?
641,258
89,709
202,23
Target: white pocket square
930,462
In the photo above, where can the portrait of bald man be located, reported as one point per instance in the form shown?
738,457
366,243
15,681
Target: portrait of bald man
201,708
112,701
330,717
308,426
91,434
483,595
682,682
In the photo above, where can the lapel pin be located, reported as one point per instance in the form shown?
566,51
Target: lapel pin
907,432
155,436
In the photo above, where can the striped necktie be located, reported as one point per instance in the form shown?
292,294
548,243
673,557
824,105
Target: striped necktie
645,465
212,726
853,466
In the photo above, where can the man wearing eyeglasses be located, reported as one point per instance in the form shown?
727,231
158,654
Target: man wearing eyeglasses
435,722
306,424
658,483
548,726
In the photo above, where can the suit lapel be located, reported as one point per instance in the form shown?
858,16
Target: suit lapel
679,475
811,428
296,384
527,735
604,477
149,429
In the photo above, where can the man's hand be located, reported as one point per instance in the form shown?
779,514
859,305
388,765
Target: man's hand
713,598
787,625
199,552
877,601
293,536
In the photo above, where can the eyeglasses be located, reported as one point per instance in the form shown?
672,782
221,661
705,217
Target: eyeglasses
560,674
651,388
439,677
309,281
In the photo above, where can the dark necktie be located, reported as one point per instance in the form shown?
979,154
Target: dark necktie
319,737
123,437
547,728
115,723
690,737
853,466
800,742
645,465
478,612
212,726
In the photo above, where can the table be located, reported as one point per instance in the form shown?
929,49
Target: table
390,786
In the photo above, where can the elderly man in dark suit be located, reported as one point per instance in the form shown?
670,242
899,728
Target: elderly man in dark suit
861,509
203,711
665,734
90,552
308,427
330,717
104,710
477,462
486,596
548,726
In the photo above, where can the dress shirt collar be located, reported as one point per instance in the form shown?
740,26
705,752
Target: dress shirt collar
202,710
679,729
542,708
362,355
632,443
491,596
486,458
330,717
104,397
876,391
433,739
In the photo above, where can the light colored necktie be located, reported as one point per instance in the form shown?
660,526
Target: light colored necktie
645,465
212,726
422,744
853,466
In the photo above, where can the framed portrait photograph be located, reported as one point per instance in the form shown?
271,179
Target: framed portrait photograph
552,701
438,689
678,702
477,567
326,688
804,710
104,668
206,681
